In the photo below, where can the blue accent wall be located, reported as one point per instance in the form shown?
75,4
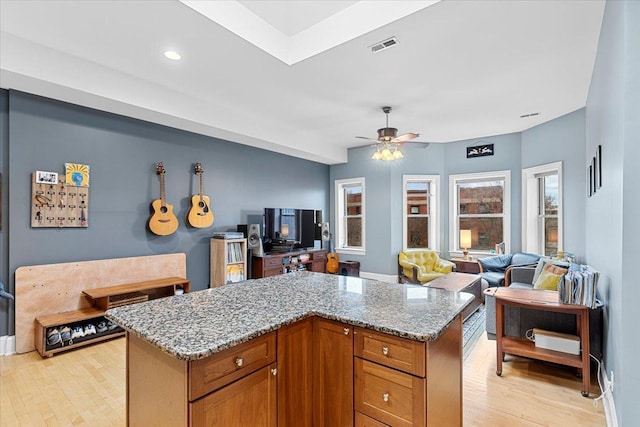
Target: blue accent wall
612,228
122,153
563,139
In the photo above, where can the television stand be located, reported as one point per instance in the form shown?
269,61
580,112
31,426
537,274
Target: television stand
275,263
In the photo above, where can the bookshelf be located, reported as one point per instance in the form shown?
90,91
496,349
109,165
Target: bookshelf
228,261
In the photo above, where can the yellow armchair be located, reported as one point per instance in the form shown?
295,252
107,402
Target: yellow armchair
422,266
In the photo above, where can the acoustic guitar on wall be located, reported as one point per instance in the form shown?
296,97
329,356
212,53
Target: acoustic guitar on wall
333,260
200,215
162,222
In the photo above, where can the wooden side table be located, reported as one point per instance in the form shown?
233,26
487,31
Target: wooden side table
466,265
547,301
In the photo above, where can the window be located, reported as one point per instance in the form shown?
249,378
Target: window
350,216
420,212
480,202
542,208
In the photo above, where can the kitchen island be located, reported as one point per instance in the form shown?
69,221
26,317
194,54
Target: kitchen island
296,349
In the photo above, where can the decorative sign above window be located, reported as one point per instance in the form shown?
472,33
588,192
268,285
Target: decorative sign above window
480,151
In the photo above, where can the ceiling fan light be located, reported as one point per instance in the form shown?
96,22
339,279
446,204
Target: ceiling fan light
376,155
386,154
397,154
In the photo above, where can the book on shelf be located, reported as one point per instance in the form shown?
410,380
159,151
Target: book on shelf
234,273
579,285
234,252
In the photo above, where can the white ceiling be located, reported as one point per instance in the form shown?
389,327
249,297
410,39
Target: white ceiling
297,77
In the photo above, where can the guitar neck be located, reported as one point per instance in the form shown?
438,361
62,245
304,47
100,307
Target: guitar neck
201,187
162,196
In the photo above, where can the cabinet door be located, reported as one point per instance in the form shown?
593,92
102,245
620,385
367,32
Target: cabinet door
332,374
295,369
250,401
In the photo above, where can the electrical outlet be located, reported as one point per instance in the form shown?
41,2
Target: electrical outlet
611,382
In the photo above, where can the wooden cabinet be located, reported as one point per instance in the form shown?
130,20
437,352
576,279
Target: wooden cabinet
315,372
466,265
280,263
399,382
228,261
250,401
236,386
332,373
295,370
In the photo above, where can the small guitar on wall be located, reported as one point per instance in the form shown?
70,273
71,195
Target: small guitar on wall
162,222
200,215
333,260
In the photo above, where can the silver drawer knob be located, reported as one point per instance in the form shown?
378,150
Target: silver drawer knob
239,362
385,397
385,350
274,371
346,331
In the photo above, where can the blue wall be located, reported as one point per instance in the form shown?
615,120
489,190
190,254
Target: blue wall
561,139
5,305
122,153
612,227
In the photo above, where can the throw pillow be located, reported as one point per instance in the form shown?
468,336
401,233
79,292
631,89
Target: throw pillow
544,261
547,281
549,277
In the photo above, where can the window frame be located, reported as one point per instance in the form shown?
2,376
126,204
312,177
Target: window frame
531,197
340,228
454,232
434,212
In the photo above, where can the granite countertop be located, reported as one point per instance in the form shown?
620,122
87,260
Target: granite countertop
197,324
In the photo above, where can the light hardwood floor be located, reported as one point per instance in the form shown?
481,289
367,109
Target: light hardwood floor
86,387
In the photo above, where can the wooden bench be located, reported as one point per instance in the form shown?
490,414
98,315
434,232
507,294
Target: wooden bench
103,299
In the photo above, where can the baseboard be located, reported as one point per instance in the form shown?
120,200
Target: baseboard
607,401
389,278
7,345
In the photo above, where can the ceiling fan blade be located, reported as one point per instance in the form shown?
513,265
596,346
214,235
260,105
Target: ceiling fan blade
405,137
367,138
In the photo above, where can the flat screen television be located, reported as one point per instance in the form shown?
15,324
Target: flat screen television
287,227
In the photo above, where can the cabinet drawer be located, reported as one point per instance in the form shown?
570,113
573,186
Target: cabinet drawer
399,353
362,420
215,371
268,272
393,397
272,262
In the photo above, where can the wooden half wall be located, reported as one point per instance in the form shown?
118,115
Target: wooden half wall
56,288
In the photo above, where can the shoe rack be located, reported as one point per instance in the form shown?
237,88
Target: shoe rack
103,299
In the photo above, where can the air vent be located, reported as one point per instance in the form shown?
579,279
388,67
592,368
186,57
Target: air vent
386,44
529,115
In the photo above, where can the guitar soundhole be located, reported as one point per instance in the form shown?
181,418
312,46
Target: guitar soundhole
202,204
163,209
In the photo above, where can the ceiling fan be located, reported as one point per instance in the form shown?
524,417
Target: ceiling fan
388,141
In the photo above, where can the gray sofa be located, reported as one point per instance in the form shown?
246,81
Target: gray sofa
519,320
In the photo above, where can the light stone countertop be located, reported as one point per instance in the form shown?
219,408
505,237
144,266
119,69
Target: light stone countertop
197,324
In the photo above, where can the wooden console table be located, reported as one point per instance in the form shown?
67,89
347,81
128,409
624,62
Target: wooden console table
547,301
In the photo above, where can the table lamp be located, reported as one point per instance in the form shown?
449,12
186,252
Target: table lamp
465,242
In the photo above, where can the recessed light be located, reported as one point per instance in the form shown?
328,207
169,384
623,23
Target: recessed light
173,55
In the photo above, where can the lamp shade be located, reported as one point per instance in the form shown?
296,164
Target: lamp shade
553,235
465,239
284,230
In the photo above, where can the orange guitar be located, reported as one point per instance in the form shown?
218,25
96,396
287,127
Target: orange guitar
162,222
333,260
200,215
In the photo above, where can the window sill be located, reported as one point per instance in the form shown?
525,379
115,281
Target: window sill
347,251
